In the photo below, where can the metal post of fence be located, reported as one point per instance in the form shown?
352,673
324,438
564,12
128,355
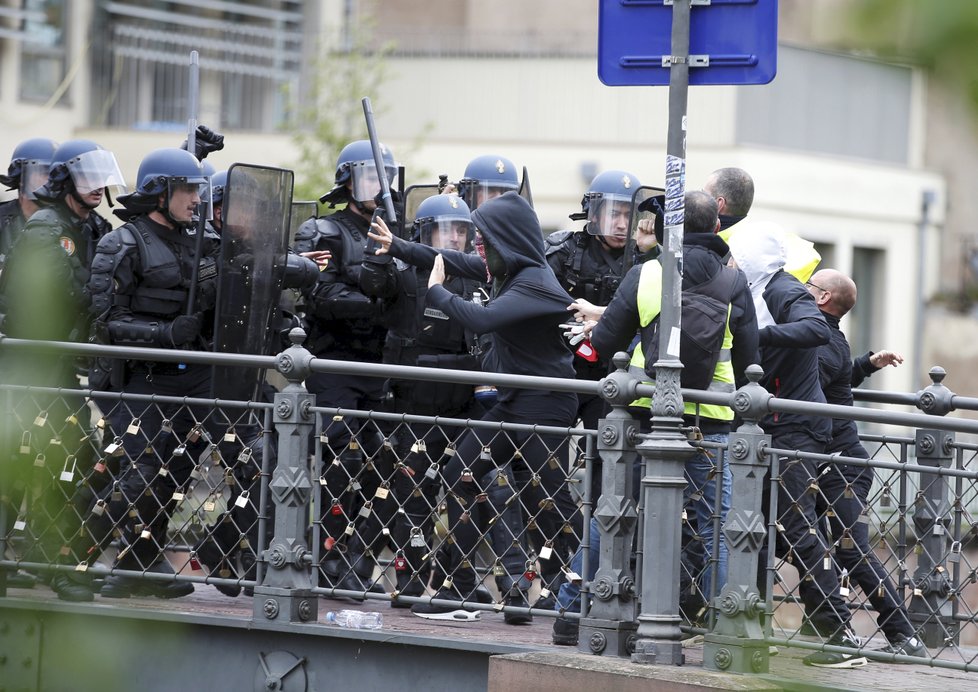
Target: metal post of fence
736,643
610,624
930,607
285,592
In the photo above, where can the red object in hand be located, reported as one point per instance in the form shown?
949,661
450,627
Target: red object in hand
586,351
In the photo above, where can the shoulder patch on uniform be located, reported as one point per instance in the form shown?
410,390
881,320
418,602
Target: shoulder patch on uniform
67,244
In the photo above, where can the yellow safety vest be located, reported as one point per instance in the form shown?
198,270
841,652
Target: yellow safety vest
649,301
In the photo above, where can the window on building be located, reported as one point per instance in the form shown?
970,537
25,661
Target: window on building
44,50
248,50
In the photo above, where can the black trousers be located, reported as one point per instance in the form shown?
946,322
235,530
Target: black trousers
799,539
546,496
161,444
845,489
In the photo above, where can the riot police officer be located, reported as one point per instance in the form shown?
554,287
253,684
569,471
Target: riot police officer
590,264
486,177
139,293
44,290
28,170
345,315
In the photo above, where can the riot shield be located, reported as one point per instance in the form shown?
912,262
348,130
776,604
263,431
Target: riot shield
413,197
642,210
301,212
254,243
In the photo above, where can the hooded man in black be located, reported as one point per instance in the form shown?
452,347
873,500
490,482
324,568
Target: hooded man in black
522,320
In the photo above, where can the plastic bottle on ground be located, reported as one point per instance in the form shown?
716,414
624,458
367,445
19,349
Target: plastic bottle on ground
355,619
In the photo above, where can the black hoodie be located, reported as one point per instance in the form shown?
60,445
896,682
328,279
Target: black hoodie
528,305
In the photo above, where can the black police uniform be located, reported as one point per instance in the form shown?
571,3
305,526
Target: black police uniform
139,287
345,316
523,317
44,290
589,270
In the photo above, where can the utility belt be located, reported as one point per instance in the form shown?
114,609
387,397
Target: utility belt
154,368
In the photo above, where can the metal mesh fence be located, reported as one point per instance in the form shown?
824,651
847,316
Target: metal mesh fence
153,495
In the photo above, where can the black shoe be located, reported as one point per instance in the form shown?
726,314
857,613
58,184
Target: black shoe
566,632
21,580
118,586
72,589
430,611
545,603
483,595
411,587
516,599
210,555
830,659
906,646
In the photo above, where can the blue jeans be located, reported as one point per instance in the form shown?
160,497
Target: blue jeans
698,478
699,499
569,596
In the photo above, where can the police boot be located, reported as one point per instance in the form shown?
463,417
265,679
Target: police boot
73,586
119,586
409,581
514,593
218,561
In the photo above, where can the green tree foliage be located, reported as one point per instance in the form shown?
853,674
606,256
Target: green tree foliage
941,35
328,113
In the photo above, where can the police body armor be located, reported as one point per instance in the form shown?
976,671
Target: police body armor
343,321
11,224
164,266
53,227
586,270
435,341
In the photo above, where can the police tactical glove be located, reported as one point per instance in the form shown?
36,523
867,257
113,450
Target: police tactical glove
182,330
205,141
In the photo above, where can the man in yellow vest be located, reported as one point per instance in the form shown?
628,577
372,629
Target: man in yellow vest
635,309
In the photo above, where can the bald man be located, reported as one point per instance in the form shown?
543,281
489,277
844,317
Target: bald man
843,487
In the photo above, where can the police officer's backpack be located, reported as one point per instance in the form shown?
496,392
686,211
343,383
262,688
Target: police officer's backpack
705,309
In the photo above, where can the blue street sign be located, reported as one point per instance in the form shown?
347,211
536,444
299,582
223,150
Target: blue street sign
730,42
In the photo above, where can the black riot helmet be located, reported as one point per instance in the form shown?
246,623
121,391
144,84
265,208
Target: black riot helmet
444,223
356,179
486,177
29,164
607,204
78,167
158,172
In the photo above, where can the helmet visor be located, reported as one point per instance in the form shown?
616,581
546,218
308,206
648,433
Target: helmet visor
95,170
609,216
184,198
447,234
366,183
475,192
33,175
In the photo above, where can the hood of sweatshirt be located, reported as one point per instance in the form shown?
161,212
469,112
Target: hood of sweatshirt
758,248
510,225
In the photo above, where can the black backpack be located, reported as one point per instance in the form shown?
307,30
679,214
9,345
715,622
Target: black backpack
704,321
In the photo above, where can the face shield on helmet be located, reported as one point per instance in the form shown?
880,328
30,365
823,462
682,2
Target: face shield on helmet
34,174
477,192
607,206
364,180
486,177
446,234
443,222
95,170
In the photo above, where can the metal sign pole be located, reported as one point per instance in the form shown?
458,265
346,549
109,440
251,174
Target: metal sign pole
667,449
